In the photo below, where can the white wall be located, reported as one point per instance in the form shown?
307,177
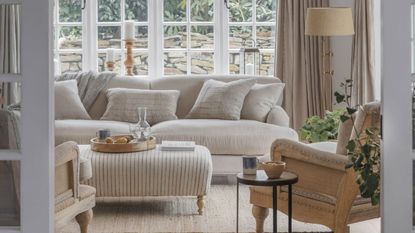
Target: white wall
342,49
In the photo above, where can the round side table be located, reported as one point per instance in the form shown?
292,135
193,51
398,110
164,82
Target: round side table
261,179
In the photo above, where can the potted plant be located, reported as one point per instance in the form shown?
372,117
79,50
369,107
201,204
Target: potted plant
319,129
364,151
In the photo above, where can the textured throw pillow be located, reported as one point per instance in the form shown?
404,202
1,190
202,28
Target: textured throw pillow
123,104
260,100
220,100
68,105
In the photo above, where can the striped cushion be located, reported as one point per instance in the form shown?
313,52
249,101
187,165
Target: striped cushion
219,100
123,103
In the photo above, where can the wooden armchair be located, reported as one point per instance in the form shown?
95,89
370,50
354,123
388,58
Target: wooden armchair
72,200
326,193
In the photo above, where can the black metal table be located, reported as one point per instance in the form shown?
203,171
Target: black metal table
261,179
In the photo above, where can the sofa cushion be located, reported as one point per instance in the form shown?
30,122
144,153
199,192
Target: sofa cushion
190,85
81,131
220,100
100,104
225,137
68,104
260,100
123,103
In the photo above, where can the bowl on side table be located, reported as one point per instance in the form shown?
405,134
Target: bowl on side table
273,169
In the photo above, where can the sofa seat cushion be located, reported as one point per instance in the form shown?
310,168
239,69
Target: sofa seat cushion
81,131
224,137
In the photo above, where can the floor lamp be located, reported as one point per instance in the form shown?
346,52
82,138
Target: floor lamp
327,22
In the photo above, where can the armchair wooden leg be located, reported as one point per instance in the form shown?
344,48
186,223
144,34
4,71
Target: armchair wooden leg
84,219
200,204
260,214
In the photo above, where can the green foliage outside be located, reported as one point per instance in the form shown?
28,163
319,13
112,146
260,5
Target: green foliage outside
174,10
319,129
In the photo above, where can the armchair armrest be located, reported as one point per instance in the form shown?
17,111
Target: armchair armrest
66,171
278,116
66,152
300,151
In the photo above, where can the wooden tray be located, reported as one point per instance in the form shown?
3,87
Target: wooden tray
123,148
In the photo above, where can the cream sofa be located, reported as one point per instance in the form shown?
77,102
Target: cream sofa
227,140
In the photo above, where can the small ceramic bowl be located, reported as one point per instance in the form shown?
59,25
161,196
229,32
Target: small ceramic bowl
273,169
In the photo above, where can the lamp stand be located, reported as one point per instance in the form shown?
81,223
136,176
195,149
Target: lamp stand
328,72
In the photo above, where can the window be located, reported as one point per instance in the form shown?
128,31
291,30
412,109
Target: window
109,27
252,21
188,37
173,37
68,36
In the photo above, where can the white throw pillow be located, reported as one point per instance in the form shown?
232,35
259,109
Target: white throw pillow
220,100
260,100
123,104
68,105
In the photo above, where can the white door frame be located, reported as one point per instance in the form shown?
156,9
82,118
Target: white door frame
396,206
37,118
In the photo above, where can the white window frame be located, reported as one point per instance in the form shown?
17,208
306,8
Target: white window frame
188,23
254,24
155,48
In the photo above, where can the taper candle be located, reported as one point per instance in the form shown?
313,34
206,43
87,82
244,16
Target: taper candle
129,30
110,54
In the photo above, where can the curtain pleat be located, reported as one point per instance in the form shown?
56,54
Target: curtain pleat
300,63
363,59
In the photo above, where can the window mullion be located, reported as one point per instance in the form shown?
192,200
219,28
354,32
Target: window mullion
225,39
92,36
189,42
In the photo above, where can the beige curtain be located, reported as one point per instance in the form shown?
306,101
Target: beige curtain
363,59
300,63
9,52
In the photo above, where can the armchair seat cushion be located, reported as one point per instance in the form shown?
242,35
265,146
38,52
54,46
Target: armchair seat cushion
308,194
224,137
86,191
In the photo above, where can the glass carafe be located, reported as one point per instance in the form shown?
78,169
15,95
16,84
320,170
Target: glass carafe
143,127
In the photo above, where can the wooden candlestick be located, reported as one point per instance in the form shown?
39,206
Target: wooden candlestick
129,61
110,65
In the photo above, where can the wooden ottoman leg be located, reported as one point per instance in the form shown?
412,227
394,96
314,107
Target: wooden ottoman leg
260,214
200,204
84,219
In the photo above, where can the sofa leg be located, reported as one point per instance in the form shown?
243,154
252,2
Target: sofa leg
84,219
200,204
260,214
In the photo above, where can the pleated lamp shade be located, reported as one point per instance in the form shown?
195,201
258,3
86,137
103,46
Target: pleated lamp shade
333,21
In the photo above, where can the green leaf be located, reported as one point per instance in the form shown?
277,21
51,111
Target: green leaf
350,111
351,146
339,97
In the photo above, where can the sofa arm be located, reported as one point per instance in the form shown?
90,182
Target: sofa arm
302,152
278,116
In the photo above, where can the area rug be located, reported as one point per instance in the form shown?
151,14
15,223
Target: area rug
179,214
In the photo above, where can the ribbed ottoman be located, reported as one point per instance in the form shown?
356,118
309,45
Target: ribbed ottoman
151,173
